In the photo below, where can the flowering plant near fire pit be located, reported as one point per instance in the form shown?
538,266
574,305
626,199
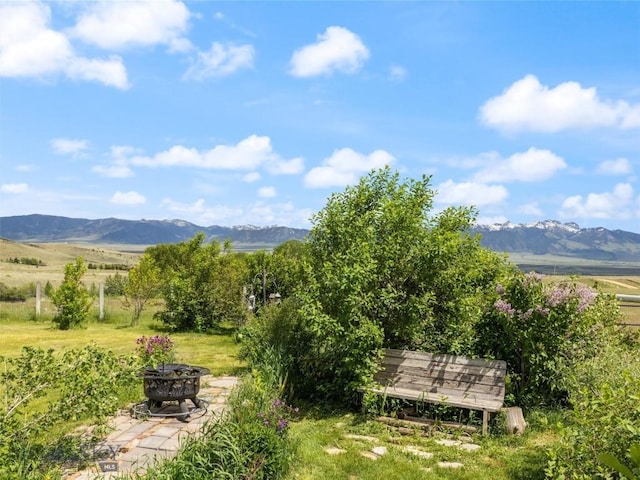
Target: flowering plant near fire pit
154,351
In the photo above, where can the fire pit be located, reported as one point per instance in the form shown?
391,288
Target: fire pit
171,382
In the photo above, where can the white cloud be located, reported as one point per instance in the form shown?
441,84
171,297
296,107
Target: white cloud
286,167
128,198
120,25
397,73
615,204
470,193
14,188
111,72
531,209
534,165
251,177
220,60
528,105
267,192
67,146
337,49
248,154
258,213
619,166
345,166
29,48
113,171
26,168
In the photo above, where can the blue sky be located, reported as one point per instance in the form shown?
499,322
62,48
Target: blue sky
233,113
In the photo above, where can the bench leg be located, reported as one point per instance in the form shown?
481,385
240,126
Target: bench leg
485,422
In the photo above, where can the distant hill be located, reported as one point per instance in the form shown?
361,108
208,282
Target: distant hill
47,228
540,238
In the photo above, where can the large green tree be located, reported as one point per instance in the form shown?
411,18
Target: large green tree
385,271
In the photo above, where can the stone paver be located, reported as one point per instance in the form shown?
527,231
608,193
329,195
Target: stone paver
136,444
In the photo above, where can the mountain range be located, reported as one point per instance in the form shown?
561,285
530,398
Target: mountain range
549,237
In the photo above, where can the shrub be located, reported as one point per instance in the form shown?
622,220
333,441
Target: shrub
43,389
72,298
540,329
604,392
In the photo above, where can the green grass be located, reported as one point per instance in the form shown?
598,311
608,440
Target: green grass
500,457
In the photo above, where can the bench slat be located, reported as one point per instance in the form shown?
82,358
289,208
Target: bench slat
448,359
471,376
462,384
460,402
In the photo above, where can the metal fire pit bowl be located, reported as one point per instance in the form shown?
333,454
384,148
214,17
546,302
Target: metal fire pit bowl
171,382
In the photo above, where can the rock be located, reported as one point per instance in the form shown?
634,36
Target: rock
379,450
361,437
417,451
449,443
450,465
334,451
369,455
469,447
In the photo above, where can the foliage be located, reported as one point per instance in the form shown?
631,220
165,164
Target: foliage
379,271
155,350
604,392
249,441
540,329
631,473
114,285
76,384
15,294
144,284
201,287
71,298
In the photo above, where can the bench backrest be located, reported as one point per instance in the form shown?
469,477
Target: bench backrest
444,375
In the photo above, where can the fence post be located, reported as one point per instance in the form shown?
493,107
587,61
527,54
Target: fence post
38,298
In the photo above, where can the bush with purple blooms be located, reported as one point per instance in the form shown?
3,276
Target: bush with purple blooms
540,329
155,350
277,415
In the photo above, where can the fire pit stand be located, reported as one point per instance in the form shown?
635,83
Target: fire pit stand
172,382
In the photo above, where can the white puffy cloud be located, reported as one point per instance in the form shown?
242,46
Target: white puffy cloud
128,198
615,204
14,188
258,213
345,166
267,192
67,146
470,193
534,165
220,60
113,171
531,209
251,177
619,166
286,167
337,49
527,105
248,154
118,25
30,48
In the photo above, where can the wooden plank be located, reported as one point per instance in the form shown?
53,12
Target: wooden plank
423,383
440,375
446,359
454,367
454,401
437,391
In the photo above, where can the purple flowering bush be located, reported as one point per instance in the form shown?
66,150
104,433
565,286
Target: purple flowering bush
155,350
540,329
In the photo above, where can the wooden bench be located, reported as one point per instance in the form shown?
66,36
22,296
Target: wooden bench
472,383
